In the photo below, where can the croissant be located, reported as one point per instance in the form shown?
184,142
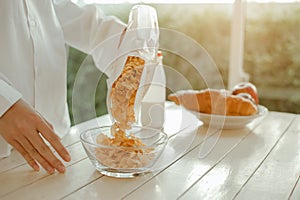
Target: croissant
212,101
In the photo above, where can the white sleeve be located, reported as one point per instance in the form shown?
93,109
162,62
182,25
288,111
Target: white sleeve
8,95
85,27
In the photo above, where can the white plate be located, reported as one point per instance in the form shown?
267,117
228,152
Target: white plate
229,122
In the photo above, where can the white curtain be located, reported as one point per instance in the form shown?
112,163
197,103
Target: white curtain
236,72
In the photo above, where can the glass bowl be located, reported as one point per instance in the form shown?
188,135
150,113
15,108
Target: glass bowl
123,158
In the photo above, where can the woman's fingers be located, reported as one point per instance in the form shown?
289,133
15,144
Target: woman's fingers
31,161
48,133
45,152
26,130
34,153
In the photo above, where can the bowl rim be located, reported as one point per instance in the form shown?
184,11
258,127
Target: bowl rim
164,137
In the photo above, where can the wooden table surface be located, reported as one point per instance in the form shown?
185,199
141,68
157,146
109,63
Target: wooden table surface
260,161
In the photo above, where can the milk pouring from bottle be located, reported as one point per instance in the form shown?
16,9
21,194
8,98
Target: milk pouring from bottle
153,103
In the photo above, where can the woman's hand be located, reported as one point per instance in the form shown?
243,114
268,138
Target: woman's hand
24,129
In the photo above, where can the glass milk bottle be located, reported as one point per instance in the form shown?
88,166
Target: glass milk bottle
153,103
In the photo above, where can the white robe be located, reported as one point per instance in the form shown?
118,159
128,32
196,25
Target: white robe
33,59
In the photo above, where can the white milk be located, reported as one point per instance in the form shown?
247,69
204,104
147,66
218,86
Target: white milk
153,103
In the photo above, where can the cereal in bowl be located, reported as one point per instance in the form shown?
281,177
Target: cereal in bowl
126,152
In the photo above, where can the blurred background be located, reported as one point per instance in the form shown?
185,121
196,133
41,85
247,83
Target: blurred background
271,51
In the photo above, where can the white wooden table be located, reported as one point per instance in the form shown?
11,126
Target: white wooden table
261,161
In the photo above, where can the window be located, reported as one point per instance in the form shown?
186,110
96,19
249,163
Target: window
271,42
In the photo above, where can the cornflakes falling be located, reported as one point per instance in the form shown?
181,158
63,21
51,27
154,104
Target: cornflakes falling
129,151
124,91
